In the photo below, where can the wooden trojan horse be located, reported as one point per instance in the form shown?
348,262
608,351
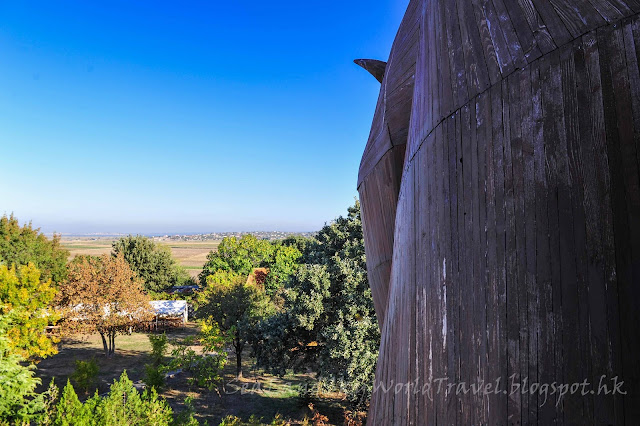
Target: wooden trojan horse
500,198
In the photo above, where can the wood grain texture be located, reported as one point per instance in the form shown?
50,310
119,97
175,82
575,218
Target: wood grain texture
500,196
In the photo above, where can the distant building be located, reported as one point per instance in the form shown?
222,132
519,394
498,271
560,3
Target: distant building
184,289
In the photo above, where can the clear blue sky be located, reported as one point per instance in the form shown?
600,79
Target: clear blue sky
141,116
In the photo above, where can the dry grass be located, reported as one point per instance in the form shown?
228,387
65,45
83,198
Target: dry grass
132,353
257,393
190,254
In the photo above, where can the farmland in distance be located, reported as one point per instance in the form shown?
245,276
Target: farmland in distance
190,254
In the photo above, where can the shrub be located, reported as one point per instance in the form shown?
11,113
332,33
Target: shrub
154,376
206,368
69,409
19,403
154,373
158,348
124,405
50,401
86,374
231,421
279,421
185,417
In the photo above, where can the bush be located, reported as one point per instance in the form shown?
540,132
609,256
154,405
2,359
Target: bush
69,409
206,368
185,417
154,376
124,405
252,421
158,348
86,374
231,421
19,402
154,373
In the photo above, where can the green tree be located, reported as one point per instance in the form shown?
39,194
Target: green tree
235,306
240,256
69,409
20,245
19,403
303,244
27,298
282,265
123,406
152,262
328,321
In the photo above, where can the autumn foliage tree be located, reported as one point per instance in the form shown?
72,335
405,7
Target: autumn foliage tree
102,294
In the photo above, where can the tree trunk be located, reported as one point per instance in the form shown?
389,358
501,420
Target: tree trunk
238,364
112,343
104,344
238,347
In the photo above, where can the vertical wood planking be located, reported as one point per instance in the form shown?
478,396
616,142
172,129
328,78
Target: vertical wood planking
596,205
483,129
515,104
466,335
531,290
517,237
499,408
629,267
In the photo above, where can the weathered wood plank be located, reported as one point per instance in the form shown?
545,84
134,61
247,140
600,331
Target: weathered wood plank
498,407
515,254
531,286
628,263
576,182
450,290
506,27
483,131
520,288
466,268
513,325
545,330
500,48
486,41
605,410
475,65
577,16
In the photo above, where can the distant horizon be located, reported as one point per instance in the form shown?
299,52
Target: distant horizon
172,234
82,228
163,117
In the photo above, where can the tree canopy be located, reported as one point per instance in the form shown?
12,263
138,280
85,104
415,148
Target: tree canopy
242,255
26,297
328,321
282,265
19,403
238,255
235,306
103,294
20,245
152,262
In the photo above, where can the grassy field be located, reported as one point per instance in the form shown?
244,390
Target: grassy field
256,393
190,254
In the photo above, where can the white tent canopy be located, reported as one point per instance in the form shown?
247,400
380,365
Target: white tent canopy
170,308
